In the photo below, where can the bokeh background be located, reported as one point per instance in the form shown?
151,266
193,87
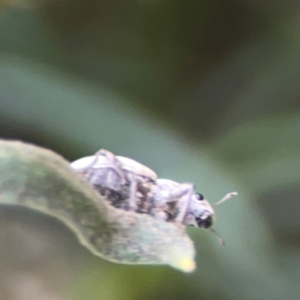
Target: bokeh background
203,91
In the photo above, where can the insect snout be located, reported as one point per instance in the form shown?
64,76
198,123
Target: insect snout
206,222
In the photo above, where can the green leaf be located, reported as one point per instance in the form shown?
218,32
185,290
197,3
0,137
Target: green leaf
41,180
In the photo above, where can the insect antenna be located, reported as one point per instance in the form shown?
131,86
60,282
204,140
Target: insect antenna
225,198
220,240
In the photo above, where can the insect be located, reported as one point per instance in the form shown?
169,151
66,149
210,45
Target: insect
129,185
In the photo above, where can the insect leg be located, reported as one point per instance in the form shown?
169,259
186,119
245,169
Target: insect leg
184,195
114,162
88,168
132,201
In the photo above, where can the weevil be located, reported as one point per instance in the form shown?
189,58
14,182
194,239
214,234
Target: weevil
129,185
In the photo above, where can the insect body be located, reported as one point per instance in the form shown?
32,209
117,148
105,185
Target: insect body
129,185
124,182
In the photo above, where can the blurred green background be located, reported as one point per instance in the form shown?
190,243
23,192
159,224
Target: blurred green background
203,91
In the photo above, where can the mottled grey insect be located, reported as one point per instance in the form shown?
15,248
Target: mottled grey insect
129,185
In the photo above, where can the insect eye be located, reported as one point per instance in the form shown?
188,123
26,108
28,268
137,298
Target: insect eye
205,223
199,196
